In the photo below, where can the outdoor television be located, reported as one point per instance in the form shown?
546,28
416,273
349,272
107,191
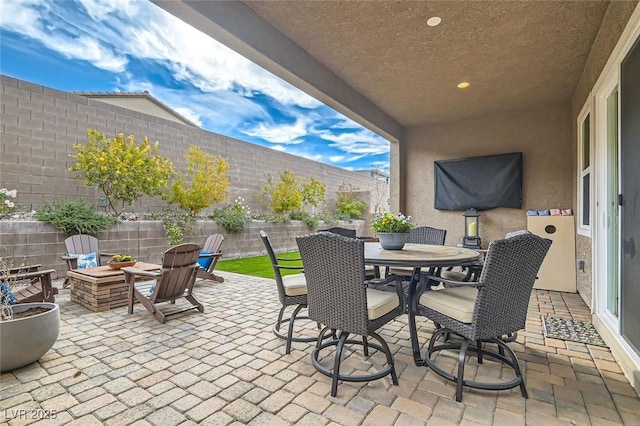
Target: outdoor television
482,183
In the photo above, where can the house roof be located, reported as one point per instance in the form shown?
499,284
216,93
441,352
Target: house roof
383,59
138,95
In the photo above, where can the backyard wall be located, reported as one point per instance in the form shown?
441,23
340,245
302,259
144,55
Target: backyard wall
40,243
39,125
542,134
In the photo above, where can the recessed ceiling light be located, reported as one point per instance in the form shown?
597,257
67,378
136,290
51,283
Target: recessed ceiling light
463,85
434,21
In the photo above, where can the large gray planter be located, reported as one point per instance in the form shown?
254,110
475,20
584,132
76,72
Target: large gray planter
25,340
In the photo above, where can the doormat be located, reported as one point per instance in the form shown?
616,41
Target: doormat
572,330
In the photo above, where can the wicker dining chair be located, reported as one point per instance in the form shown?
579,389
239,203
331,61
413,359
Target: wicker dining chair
477,312
292,291
339,299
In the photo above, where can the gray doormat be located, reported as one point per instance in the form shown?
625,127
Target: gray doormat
572,330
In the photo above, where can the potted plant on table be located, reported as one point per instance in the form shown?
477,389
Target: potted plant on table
118,261
27,330
392,229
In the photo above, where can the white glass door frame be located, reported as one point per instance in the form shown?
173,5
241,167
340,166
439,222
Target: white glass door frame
600,209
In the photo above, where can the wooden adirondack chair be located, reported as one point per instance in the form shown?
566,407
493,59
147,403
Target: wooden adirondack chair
39,287
209,256
77,245
174,281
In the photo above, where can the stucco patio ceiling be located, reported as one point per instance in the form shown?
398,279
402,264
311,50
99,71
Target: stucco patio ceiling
515,54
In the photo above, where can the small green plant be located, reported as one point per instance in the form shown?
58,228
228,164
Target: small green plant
233,217
204,184
75,217
122,170
176,225
389,222
7,203
348,204
311,220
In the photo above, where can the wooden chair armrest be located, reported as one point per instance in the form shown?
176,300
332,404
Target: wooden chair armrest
32,274
132,270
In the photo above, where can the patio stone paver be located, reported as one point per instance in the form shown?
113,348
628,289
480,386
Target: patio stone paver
225,367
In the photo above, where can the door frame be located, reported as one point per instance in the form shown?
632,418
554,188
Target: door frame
600,209
610,331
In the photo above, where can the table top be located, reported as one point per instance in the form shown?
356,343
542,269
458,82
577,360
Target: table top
107,271
419,255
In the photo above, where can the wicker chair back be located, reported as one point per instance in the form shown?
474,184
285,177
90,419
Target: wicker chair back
427,235
336,293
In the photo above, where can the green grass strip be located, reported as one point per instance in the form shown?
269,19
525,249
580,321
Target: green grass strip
258,266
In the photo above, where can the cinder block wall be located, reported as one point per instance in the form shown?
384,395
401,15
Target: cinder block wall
40,243
39,126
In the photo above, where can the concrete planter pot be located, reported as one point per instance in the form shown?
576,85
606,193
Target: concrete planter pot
392,240
25,340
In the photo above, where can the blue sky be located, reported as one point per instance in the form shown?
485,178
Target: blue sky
132,45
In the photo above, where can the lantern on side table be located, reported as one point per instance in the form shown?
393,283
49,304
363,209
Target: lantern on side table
471,237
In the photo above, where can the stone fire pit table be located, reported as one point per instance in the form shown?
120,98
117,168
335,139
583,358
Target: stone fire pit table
102,288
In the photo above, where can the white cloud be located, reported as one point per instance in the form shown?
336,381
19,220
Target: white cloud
280,133
362,142
26,17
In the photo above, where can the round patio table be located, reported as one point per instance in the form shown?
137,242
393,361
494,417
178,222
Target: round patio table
418,256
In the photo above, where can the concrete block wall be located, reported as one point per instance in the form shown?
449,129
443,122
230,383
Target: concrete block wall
40,125
40,243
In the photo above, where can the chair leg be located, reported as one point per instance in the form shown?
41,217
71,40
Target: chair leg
279,321
479,351
387,352
292,319
515,365
461,360
336,363
365,346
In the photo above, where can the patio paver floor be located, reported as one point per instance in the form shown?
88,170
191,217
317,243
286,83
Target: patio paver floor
226,367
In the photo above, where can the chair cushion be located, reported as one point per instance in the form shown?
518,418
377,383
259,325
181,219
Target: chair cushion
380,303
295,284
205,262
89,260
455,302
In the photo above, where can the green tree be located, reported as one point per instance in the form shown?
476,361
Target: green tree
121,169
204,184
348,204
286,195
313,192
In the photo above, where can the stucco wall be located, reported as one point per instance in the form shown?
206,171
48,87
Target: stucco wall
39,126
613,25
542,134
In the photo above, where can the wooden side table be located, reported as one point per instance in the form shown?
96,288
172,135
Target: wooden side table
102,288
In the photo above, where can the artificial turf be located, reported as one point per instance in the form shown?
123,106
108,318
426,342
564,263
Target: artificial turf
259,266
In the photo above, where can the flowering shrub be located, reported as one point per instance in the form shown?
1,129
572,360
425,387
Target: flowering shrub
7,205
389,222
233,217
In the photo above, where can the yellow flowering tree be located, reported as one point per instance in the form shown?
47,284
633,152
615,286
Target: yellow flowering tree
286,195
123,170
204,184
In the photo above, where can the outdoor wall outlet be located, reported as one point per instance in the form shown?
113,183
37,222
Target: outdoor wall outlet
581,265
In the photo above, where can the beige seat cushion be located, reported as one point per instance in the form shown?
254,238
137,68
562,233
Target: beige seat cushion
453,275
455,302
380,303
294,285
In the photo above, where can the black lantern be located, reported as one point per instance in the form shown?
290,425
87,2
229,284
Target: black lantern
471,237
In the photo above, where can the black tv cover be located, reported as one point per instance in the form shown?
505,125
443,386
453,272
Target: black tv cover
482,183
